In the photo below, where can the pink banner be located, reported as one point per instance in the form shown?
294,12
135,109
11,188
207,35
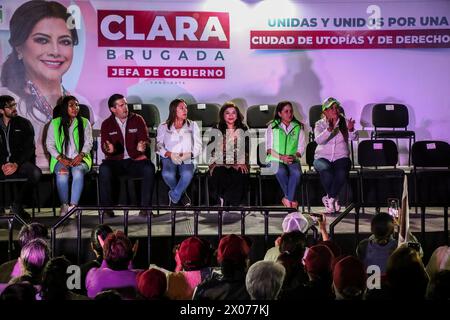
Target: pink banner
370,39
160,29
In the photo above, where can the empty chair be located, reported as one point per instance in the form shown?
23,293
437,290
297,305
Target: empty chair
259,116
390,121
379,177
206,113
149,112
431,172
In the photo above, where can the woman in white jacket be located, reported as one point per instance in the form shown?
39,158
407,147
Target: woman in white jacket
178,143
332,161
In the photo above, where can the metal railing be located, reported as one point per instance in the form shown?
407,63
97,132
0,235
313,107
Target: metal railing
196,210
10,219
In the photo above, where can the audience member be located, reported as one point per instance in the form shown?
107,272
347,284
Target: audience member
152,284
349,279
264,280
28,232
232,256
115,271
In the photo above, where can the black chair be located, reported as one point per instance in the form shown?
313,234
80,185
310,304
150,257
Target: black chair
206,113
378,166
84,111
431,172
150,113
315,113
259,116
394,116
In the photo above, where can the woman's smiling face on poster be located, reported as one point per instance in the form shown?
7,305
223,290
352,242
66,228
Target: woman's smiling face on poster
48,51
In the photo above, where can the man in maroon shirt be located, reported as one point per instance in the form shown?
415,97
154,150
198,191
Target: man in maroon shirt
124,140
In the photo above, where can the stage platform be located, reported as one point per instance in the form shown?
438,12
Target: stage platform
162,241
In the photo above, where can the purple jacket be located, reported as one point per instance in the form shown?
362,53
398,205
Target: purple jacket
104,278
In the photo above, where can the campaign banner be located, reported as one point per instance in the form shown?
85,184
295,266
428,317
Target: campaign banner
367,39
160,29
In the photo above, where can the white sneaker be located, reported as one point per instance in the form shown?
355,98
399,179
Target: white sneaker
328,203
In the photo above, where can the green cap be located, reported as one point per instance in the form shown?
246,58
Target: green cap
329,102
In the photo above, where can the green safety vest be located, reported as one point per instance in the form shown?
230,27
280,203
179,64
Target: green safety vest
59,138
284,143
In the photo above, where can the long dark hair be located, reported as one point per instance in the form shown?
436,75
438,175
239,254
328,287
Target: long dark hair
277,119
65,123
22,23
222,126
173,112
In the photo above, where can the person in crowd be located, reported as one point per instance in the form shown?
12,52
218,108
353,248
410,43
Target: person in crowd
285,144
318,264
42,52
193,266
27,233
33,258
331,159
24,292
98,237
296,221
152,284
229,164
264,280
69,142
124,140
54,281
232,256
178,142
115,271
379,246
349,279
439,261
17,158
439,286
406,274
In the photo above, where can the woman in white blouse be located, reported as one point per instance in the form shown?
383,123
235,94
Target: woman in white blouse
178,143
332,134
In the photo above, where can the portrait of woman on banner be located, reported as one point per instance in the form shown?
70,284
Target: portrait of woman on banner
42,52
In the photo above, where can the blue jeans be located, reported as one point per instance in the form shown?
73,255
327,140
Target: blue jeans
288,176
62,182
169,174
333,175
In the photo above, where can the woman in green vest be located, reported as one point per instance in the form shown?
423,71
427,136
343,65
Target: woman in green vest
69,142
285,144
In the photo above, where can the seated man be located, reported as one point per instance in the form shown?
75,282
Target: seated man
124,140
17,152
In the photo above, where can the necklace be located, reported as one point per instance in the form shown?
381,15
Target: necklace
40,102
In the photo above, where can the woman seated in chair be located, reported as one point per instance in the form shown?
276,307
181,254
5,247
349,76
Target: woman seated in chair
285,144
332,161
69,142
178,143
229,169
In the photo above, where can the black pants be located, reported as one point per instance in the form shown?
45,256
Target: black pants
112,169
29,171
229,184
